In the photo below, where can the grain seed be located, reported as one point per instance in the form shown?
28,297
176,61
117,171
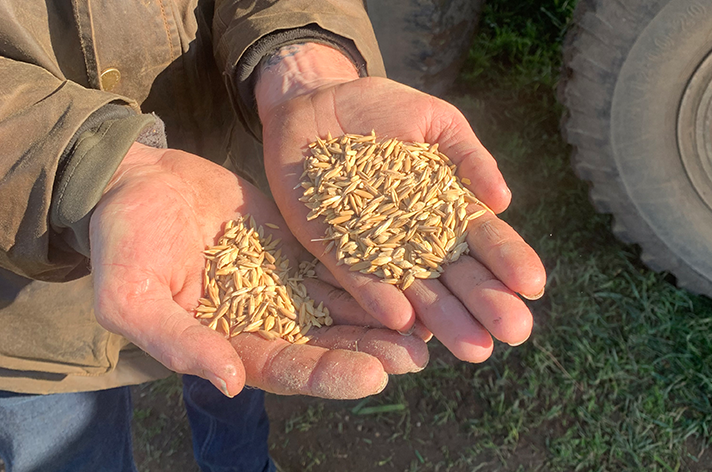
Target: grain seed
255,286
413,205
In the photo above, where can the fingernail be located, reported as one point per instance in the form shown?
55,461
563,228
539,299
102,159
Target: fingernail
519,343
220,384
385,382
408,332
422,367
535,297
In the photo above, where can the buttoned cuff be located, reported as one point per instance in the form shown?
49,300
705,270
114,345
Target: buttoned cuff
90,162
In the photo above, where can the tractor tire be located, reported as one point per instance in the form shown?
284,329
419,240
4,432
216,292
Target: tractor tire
637,86
424,42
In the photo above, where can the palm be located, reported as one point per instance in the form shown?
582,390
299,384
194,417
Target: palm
147,236
474,296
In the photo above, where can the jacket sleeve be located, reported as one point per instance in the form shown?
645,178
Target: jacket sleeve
246,30
41,117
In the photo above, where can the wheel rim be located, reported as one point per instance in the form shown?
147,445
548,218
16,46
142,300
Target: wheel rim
694,130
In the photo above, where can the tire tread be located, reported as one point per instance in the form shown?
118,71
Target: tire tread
594,50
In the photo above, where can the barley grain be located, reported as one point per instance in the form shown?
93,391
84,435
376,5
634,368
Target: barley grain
254,289
413,205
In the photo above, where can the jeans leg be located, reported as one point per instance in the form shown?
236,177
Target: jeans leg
67,432
229,434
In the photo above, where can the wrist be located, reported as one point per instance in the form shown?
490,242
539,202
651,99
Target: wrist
138,155
299,69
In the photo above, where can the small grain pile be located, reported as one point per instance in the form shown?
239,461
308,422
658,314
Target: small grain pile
250,288
394,209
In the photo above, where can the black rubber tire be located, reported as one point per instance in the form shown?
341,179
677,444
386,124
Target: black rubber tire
627,65
424,42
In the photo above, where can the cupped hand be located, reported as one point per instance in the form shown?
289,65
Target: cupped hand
159,212
476,297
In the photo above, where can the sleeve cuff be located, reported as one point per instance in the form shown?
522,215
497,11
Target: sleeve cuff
88,167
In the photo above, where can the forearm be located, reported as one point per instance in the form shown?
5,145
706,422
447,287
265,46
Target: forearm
298,69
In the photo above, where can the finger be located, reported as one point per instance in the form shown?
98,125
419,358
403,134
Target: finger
450,321
495,306
290,369
344,309
175,338
503,251
323,274
418,329
399,354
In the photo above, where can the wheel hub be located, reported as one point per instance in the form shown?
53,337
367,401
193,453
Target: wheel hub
694,130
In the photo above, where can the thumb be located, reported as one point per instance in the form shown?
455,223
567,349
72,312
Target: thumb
175,338
457,140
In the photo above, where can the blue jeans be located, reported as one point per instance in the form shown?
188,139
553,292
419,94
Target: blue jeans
91,431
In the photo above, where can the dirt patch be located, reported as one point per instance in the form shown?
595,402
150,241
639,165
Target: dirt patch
314,435
309,434
161,433
698,457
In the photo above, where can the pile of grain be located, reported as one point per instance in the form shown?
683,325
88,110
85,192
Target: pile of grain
394,209
250,288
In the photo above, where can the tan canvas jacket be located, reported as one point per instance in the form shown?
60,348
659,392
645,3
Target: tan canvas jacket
78,81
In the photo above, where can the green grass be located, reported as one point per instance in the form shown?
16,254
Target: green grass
517,47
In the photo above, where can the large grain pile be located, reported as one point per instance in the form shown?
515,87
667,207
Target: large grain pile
251,288
394,209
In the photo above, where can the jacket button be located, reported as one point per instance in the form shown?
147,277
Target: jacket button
110,79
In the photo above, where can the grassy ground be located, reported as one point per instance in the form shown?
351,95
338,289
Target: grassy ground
617,375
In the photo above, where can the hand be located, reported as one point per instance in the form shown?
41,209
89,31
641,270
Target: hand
307,93
159,212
